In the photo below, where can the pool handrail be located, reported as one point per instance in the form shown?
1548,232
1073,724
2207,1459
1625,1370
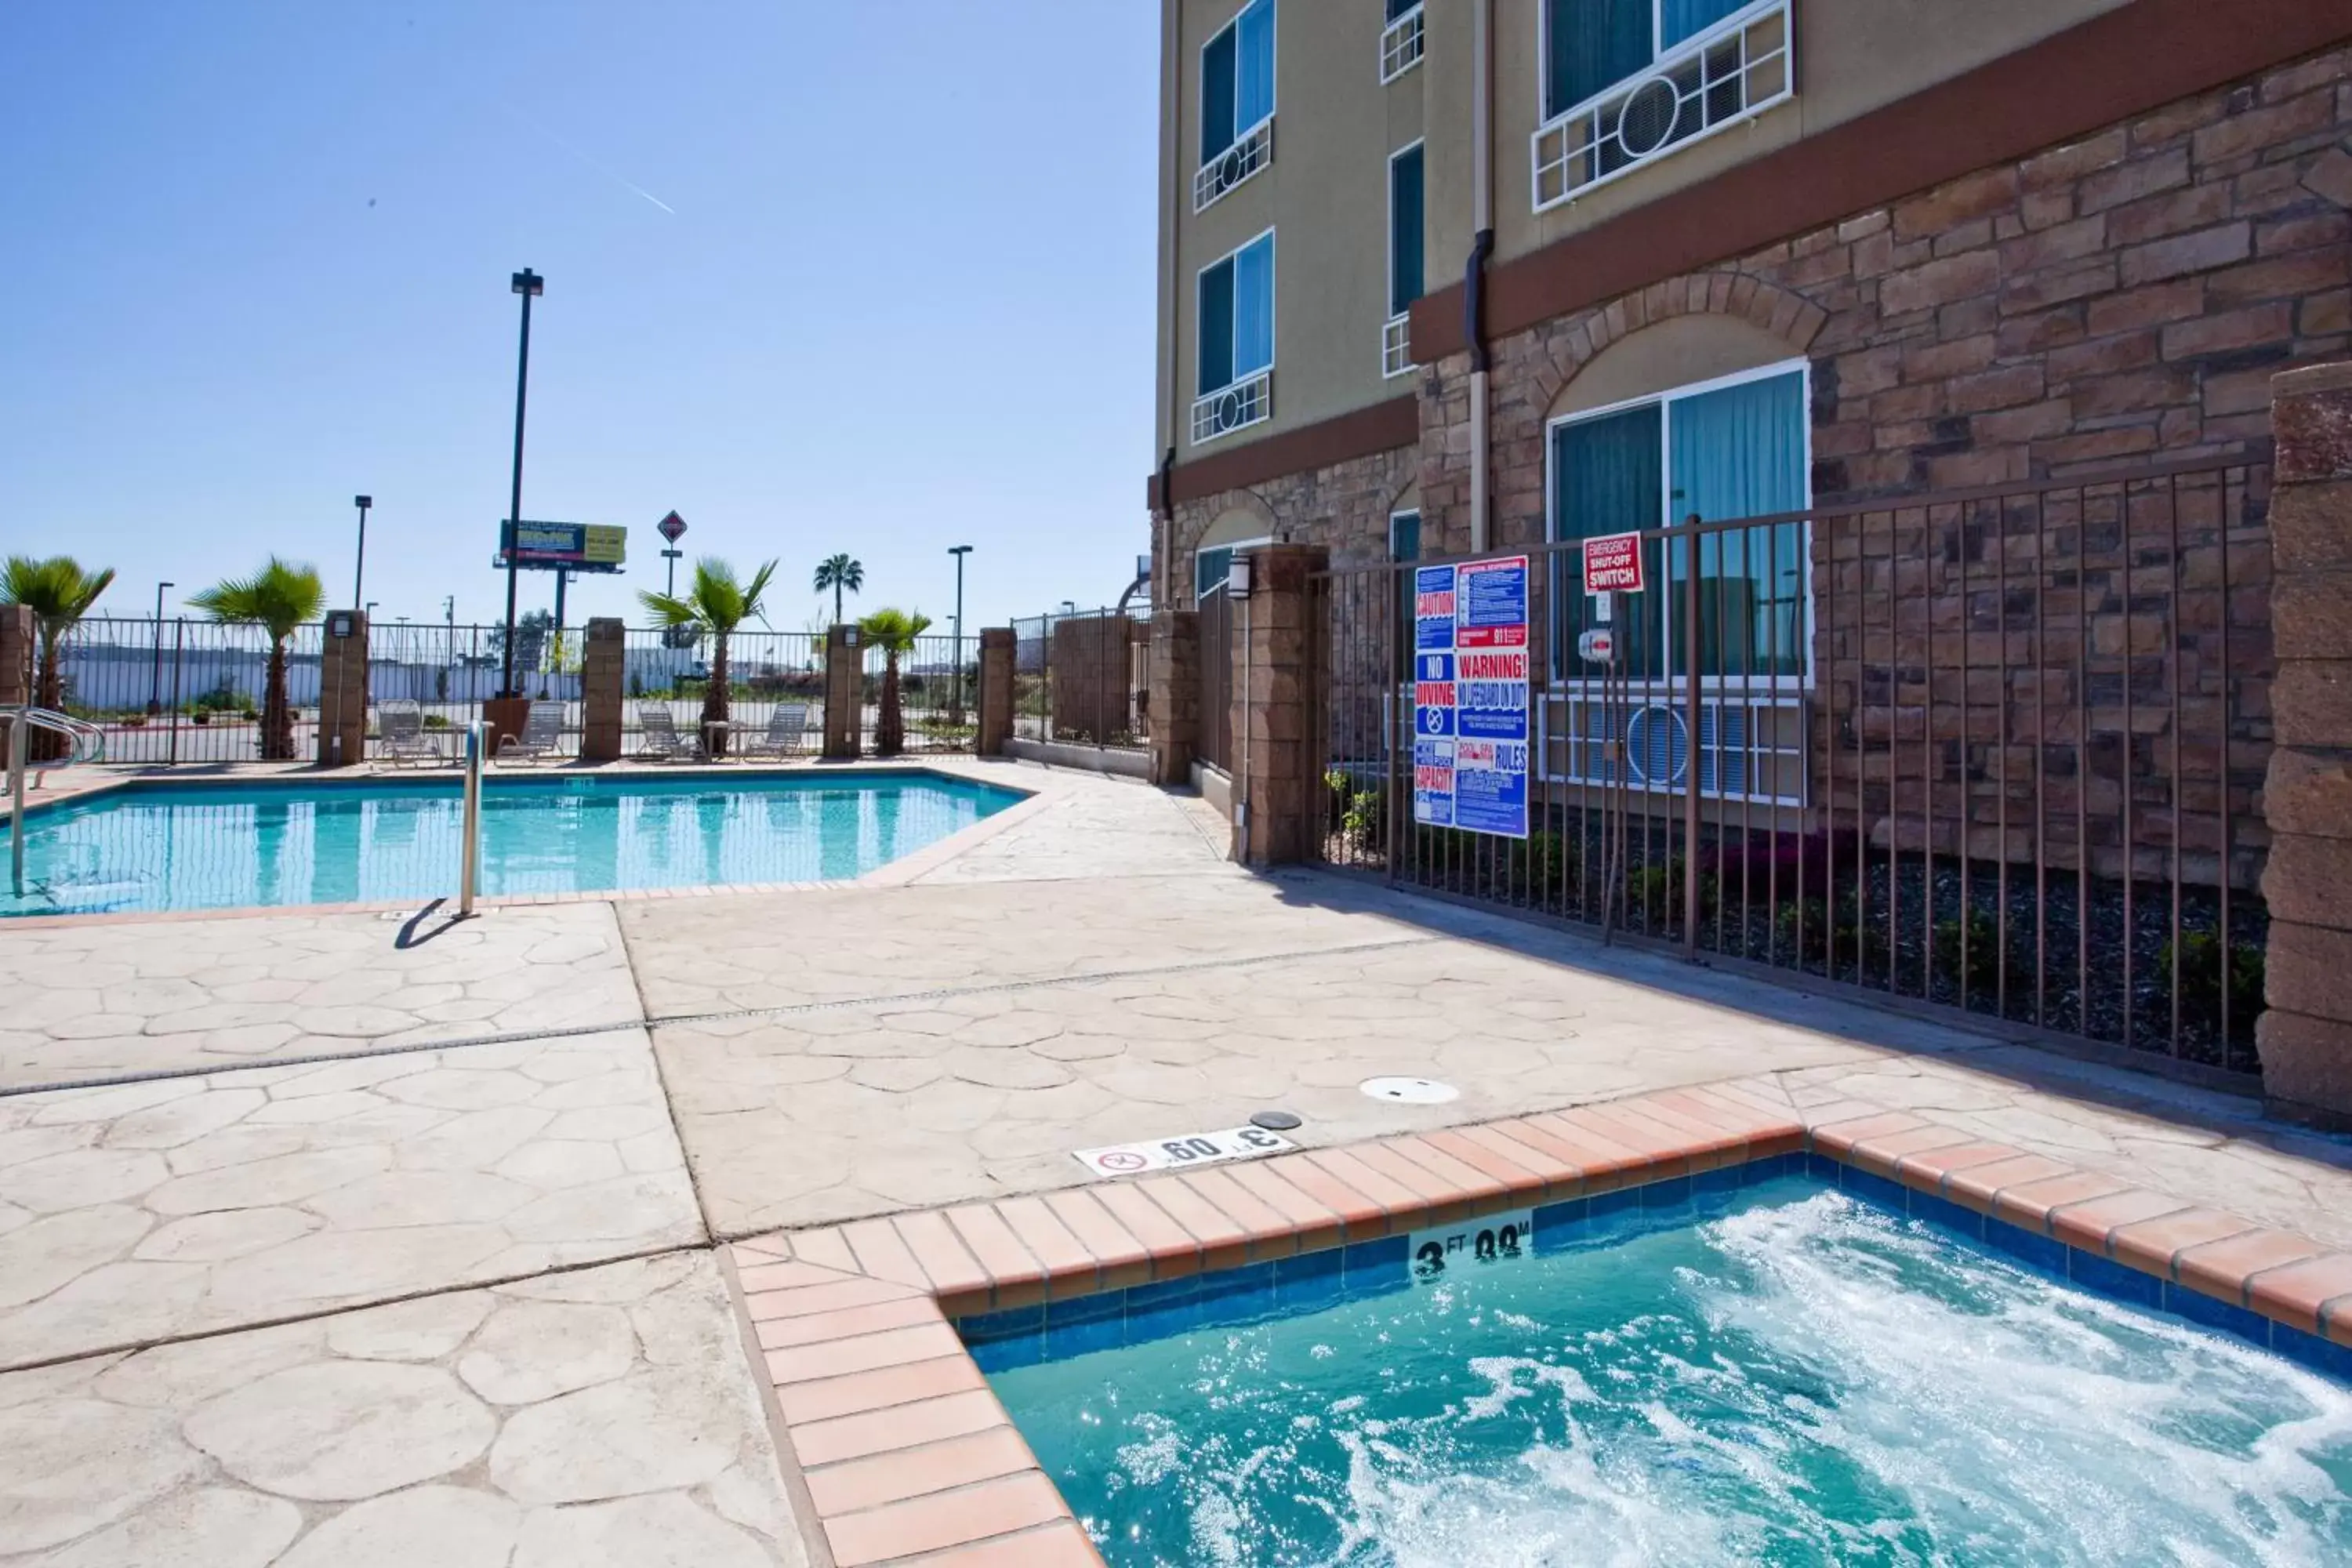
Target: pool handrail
89,745
469,851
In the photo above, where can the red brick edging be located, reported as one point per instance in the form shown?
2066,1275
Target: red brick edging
909,1457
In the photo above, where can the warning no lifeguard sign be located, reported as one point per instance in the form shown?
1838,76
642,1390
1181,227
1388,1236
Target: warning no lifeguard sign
1612,563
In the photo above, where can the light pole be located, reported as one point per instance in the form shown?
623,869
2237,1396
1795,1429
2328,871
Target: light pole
958,552
530,285
155,683
359,567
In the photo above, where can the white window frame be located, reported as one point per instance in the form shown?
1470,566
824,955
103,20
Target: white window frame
1233,547
1549,124
1251,148
1396,331
1795,685
1264,373
1402,43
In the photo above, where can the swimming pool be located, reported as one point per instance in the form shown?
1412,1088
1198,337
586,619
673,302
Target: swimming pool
1781,1373
193,847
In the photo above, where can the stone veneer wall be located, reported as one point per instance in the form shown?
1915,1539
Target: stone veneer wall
1344,507
2123,298
2306,1034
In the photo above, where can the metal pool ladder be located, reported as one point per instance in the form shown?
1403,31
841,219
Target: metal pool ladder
87,745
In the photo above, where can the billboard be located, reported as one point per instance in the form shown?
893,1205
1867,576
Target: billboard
571,546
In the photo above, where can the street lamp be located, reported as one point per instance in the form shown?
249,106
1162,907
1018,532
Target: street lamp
530,285
359,567
155,683
958,552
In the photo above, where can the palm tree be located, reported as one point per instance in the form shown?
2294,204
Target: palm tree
278,598
893,632
837,573
60,592
714,607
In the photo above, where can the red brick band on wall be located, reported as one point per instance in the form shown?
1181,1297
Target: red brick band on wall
2123,64
1383,428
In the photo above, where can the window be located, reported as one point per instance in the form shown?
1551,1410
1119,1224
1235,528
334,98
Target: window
1401,40
1211,563
1236,103
1404,259
1236,340
1405,546
1730,449
1627,81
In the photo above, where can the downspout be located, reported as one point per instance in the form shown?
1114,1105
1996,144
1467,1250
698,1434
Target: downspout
1172,164
1481,247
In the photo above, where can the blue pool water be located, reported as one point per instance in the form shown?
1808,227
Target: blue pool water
1797,1378
182,847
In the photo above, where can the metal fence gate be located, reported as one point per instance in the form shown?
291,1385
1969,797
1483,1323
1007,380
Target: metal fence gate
1998,750
1216,654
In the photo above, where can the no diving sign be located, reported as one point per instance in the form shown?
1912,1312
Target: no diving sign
1192,1149
1612,563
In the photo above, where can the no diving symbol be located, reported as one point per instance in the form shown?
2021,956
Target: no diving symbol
1121,1160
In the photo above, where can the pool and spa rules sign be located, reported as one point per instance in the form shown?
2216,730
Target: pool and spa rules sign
1470,697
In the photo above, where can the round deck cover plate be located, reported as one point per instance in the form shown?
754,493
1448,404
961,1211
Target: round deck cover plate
1409,1090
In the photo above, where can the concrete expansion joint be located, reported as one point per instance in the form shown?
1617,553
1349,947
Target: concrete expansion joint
786,1010
346,1309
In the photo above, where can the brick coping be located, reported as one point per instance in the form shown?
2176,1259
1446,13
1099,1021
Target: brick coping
907,1457
895,873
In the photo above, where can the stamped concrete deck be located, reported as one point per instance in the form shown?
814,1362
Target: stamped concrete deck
518,1102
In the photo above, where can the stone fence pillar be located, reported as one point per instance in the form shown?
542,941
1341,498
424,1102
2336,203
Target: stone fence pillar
2305,1036
17,641
343,690
844,694
1173,705
1277,652
601,666
998,646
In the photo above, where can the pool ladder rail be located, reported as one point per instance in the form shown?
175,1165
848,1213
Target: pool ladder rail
86,745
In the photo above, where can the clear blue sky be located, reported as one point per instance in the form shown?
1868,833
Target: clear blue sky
898,293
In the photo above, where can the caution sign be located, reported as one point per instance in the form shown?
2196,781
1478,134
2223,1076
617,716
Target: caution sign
1470,697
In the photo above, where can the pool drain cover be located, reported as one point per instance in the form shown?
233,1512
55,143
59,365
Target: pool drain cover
1411,1091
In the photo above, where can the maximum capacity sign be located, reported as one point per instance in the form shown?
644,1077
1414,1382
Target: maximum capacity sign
1470,697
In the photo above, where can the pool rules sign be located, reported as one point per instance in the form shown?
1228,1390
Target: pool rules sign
1470,697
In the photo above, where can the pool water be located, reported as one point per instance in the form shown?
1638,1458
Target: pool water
1801,1379
180,847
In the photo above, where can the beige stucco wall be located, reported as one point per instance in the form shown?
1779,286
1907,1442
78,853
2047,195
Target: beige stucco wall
1335,125
1324,196
1852,57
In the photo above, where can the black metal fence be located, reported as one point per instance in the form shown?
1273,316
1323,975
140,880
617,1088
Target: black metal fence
1216,696
188,691
1083,677
179,690
768,674
936,700
1998,750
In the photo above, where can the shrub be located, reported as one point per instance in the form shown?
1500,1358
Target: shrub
1986,961
2201,979
1654,892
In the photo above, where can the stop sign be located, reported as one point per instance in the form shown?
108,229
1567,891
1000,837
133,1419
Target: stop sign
671,527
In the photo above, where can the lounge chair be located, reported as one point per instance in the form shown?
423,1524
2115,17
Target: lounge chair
786,725
401,738
542,733
658,740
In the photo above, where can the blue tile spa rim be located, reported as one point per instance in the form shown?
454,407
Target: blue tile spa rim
1079,1325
